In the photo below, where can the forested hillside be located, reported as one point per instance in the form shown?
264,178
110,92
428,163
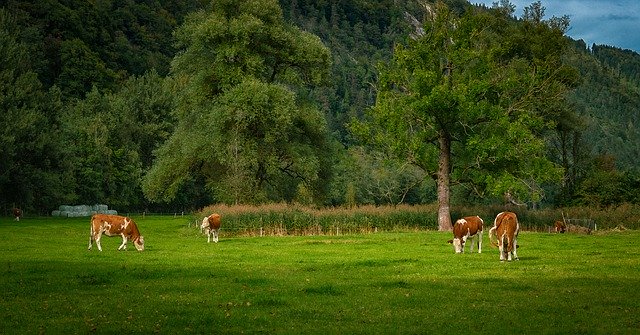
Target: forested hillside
609,100
94,97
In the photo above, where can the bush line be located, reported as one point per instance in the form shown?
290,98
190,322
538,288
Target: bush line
294,219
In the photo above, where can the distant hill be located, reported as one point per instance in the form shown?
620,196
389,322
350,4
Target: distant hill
609,101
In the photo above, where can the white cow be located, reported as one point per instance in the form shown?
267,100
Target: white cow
115,225
465,228
211,226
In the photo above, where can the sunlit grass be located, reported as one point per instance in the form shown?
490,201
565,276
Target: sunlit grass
399,282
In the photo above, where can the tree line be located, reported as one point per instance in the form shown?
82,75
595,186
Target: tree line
180,104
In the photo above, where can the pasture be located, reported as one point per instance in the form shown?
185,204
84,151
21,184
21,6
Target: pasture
378,283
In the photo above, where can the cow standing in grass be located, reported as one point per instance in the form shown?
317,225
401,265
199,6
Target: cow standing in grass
560,227
115,225
505,229
465,228
211,226
17,213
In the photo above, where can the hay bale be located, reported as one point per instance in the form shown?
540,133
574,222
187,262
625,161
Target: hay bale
65,208
102,209
81,210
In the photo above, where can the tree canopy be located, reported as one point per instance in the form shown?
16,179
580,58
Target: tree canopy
463,100
240,123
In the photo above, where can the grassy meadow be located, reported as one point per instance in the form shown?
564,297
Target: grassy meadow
373,283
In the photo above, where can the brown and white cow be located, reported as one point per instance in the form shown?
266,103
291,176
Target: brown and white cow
17,213
115,225
505,229
211,226
560,227
467,227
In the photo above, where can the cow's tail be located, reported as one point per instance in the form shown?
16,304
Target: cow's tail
505,243
493,237
91,234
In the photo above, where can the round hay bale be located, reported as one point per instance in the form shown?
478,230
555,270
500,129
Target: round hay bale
82,209
101,208
65,208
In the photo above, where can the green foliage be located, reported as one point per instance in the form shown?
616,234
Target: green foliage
29,139
240,125
371,177
109,140
608,100
604,185
360,35
84,43
81,70
55,52
467,82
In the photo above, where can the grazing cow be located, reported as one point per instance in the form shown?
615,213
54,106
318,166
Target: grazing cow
115,225
17,213
505,229
470,226
560,227
210,226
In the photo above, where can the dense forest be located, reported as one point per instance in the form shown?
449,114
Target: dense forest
175,105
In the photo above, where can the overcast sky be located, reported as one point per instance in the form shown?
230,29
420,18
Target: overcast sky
609,22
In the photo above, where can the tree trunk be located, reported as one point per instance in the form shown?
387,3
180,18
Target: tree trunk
444,167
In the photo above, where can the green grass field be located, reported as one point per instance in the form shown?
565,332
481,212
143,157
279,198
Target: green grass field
371,284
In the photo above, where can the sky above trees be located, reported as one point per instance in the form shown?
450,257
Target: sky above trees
607,22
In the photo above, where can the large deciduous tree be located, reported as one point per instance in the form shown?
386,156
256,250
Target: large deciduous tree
241,128
468,99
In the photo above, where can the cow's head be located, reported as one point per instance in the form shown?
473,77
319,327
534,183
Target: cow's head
205,224
458,244
139,243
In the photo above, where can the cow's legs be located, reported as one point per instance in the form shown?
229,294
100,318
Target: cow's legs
501,246
90,238
479,242
208,231
215,236
97,239
515,248
510,249
123,246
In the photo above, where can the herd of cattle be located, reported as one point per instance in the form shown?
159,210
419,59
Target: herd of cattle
116,225
503,234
